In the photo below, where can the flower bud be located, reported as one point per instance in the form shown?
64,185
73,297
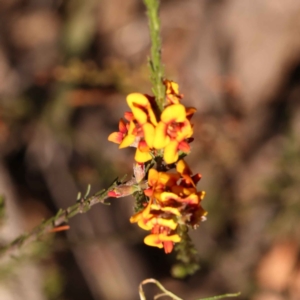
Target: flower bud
122,190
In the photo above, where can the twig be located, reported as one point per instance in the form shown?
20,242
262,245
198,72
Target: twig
222,296
156,67
159,285
171,295
62,216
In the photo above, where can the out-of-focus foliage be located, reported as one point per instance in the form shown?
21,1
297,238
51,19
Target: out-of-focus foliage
65,68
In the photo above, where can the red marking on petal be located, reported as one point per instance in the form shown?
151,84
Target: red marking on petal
143,146
196,178
190,140
148,192
168,247
122,126
155,229
116,137
184,147
128,115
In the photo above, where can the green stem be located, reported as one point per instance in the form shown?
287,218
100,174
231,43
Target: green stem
62,216
173,296
156,67
222,296
160,286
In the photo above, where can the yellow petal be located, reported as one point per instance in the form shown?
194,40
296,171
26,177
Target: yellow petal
185,132
115,137
172,210
175,238
172,92
183,168
145,224
157,194
155,206
149,131
167,196
139,115
145,213
127,141
142,157
182,191
138,103
191,199
141,108
152,177
172,87
168,179
137,99
153,241
161,138
131,128
136,217
173,113
170,223
152,116
171,153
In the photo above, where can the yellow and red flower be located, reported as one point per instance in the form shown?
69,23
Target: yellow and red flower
171,198
162,223
174,200
159,182
125,132
144,132
188,180
172,131
172,92
139,132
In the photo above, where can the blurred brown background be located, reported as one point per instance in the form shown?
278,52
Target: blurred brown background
65,70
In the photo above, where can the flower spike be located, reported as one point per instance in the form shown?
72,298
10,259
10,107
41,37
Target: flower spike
169,199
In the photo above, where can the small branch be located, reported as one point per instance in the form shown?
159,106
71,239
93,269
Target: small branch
222,296
156,67
173,296
62,216
160,286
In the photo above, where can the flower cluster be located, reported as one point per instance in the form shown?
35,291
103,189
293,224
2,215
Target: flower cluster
174,200
161,140
150,131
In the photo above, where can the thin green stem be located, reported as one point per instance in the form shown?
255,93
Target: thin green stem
222,296
63,215
160,286
173,296
156,67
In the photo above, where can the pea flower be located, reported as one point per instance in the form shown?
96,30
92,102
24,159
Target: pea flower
170,134
173,200
159,182
168,198
139,132
172,92
172,131
161,223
